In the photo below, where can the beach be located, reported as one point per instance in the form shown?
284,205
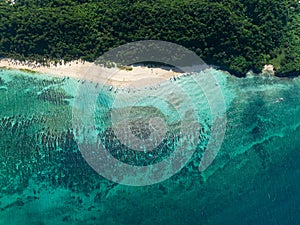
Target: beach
129,76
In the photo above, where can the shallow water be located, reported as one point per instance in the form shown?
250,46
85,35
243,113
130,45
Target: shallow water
253,180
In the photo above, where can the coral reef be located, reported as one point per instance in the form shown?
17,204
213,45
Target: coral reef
55,95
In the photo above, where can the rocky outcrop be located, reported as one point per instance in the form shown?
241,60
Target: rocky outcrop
268,70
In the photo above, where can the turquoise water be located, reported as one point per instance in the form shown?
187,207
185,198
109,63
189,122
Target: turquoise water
253,180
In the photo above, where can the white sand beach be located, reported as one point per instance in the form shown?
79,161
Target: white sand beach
130,77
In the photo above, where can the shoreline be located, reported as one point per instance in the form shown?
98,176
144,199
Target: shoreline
129,76
139,75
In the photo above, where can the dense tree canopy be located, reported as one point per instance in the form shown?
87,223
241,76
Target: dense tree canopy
238,35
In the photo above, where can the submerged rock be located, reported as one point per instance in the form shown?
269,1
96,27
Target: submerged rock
57,96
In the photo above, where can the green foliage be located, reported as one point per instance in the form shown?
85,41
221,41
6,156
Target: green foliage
235,34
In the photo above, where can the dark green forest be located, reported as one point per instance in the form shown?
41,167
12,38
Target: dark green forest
237,35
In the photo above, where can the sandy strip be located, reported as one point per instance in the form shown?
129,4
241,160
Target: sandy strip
135,77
